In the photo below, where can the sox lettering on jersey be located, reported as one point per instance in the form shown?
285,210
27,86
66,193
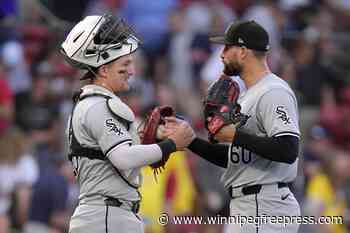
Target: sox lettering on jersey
113,127
282,115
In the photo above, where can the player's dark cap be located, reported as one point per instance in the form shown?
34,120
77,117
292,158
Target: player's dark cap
246,33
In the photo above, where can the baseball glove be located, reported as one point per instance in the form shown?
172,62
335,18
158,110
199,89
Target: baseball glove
148,132
221,107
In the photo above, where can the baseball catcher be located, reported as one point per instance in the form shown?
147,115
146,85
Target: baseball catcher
104,145
221,107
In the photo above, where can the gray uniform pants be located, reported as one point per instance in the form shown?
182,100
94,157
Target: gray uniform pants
104,219
270,201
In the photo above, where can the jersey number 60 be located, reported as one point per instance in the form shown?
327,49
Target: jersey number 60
245,156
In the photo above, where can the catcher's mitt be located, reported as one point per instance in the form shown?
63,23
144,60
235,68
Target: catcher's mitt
221,107
148,132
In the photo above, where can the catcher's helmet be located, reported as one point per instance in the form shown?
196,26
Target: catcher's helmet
97,40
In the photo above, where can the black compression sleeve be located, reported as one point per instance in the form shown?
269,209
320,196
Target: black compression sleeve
284,149
167,147
214,153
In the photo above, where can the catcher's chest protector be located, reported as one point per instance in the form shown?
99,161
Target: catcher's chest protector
119,110
75,149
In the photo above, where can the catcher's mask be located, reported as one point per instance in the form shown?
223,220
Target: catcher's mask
98,40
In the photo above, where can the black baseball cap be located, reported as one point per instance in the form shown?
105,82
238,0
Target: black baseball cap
245,33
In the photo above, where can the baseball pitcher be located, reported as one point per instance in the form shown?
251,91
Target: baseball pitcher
259,134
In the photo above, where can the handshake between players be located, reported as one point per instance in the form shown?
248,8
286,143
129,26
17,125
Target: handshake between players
221,114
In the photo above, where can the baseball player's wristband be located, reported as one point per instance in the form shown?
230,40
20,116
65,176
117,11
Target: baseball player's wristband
167,146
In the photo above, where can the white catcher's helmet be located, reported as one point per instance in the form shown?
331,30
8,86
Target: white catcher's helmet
97,40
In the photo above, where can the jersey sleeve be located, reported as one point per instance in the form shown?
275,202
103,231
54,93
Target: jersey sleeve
277,112
105,128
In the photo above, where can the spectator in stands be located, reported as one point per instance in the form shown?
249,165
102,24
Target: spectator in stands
325,194
150,19
18,171
173,192
34,107
6,102
12,56
49,207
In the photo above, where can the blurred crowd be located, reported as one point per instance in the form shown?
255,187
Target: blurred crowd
310,50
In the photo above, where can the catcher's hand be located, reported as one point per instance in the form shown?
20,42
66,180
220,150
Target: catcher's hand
221,107
150,130
179,131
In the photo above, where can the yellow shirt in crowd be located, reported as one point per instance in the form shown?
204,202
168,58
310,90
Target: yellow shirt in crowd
320,189
153,193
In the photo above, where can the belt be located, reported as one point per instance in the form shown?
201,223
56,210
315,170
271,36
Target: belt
133,206
255,189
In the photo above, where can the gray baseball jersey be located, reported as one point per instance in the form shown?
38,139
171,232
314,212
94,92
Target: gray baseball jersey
95,126
273,111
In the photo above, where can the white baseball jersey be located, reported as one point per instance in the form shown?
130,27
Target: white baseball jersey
96,126
273,111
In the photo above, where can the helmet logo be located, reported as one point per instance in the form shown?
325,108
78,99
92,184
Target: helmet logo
105,55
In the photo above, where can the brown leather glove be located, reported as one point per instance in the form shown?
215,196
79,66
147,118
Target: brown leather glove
148,133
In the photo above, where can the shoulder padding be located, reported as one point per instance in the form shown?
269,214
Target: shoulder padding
114,104
117,107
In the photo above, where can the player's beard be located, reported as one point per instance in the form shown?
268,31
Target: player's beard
232,69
